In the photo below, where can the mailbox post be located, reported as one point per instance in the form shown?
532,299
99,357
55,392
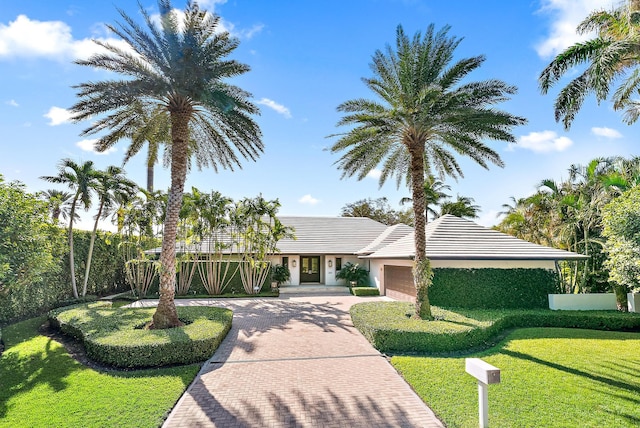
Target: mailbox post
486,374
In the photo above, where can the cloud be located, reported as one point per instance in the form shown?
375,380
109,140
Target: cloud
58,116
606,132
89,146
374,173
308,199
565,17
27,38
12,103
542,142
279,108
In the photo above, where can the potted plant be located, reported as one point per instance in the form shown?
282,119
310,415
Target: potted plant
354,274
279,274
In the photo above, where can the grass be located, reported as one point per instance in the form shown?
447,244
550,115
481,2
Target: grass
551,377
41,385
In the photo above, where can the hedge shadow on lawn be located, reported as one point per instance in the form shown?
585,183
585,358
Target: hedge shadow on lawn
114,337
388,326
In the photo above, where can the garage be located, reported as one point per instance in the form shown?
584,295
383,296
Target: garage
398,283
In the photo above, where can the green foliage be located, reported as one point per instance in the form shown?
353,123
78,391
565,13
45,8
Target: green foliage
621,220
551,378
375,209
493,288
280,274
365,291
354,273
41,385
390,328
117,337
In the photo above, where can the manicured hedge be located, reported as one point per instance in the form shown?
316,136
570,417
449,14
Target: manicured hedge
492,288
116,337
390,328
365,291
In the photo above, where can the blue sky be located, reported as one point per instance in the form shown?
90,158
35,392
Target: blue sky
306,58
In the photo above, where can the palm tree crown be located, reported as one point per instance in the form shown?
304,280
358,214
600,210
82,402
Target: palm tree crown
180,67
612,55
422,118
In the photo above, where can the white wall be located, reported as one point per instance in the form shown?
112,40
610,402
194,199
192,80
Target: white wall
582,302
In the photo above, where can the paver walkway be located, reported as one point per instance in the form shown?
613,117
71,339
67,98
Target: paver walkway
297,362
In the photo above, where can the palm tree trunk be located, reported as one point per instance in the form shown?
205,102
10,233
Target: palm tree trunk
90,254
422,273
166,315
150,176
71,261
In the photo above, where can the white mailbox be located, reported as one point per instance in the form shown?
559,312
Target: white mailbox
486,374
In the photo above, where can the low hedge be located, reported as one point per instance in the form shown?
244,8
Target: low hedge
365,291
390,328
117,337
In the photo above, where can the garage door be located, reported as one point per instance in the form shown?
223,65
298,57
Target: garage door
398,283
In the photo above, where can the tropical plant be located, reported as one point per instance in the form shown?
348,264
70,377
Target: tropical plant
58,202
462,207
81,179
354,273
423,117
375,209
110,185
280,274
433,195
180,67
611,56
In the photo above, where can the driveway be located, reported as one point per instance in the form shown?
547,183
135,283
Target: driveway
297,361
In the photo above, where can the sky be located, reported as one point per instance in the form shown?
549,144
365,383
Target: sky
306,58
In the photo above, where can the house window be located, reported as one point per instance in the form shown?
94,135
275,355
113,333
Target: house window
285,261
338,263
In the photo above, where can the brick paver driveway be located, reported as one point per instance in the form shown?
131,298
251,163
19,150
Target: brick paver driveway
297,362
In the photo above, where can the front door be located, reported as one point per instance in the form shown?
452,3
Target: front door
309,269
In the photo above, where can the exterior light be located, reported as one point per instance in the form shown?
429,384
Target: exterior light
330,263
293,263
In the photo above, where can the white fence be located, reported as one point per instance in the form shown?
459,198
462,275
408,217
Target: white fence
583,302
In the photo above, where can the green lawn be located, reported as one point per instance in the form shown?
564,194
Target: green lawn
41,385
551,377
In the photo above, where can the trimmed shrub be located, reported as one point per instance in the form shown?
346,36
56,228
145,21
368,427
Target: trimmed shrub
390,328
492,288
117,337
365,291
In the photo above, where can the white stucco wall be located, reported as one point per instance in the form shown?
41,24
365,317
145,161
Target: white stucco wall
583,302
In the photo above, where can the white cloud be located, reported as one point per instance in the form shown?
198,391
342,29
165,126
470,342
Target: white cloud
542,142
89,146
308,199
374,173
275,106
58,116
606,132
565,17
12,103
25,37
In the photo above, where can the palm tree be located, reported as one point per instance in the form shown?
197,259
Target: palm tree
58,202
110,186
423,117
181,67
433,195
610,56
82,180
463,206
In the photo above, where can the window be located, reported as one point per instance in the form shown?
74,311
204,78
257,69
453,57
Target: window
338,263
285,261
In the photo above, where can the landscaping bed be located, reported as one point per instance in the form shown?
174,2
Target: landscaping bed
390,328
118,337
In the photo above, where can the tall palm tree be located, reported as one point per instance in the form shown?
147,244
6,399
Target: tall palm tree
110,186
423,117
433,195
181,67
610,56
81,179
58,203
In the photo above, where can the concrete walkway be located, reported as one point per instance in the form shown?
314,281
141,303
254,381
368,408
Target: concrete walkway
297,361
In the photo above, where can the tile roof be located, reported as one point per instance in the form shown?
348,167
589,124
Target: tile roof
390,234
453,238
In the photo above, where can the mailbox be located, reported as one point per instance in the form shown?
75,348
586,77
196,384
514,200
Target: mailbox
483,371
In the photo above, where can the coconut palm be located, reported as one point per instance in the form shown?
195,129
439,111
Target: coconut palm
179,66
58,203
463,206
423,117
81,179
111,185
433,195
611,56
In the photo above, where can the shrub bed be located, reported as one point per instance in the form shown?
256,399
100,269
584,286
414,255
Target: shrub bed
365,291
390,328
117,337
